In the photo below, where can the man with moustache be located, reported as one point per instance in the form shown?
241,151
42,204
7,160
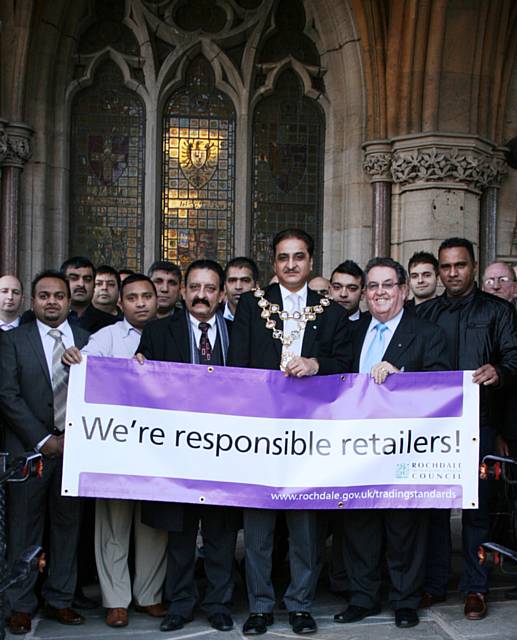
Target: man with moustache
240,275
347,287
166,277
196,335
481,332
313,340
33,390
386,340
11,298
115,518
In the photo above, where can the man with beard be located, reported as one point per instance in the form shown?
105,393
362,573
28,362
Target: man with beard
166,277
196,335
107,290
481,332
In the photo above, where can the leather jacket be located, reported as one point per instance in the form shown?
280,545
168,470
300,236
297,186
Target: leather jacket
487,334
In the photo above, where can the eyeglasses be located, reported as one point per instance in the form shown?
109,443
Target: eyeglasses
490,282
388,285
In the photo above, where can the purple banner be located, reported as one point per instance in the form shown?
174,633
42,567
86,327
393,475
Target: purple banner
233,391
264,497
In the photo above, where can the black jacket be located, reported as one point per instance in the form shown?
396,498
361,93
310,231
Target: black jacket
487,334
327,338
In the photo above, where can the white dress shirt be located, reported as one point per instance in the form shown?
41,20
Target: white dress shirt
355,316
7,326
388,334
228,315
294,301
212,331
119,340
48,341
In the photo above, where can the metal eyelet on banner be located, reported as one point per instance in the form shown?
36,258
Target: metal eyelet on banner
202,498
210,369
343,378
340,504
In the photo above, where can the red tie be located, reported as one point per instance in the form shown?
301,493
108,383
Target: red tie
205,347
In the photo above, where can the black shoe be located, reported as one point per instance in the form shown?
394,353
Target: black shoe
174,621
221,621
406,618
257,624
83,602
353,613
511,594
302,622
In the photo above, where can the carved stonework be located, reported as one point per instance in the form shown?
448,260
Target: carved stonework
378,166
18,147
472,167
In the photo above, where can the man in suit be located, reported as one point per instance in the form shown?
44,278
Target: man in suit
312,338
33,388
347,288
196,335
386,340
11,298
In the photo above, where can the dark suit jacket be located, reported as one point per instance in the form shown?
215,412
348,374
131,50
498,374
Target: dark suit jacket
26,400
417,345
168,340
327,338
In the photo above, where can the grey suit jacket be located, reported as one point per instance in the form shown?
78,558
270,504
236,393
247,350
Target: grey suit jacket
26,401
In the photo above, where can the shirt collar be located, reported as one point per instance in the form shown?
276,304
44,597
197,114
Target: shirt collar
228,315
10,325
129,327
64,327
195,322
301,292
355,316
392,324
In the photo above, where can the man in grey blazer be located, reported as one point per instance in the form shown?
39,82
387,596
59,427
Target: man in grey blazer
33,389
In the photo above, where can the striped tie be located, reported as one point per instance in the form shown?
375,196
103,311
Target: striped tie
59,380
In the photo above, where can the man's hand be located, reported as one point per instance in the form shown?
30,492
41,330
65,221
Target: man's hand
501,447
53,447
486,375
299,367
139,357
382,370
70,356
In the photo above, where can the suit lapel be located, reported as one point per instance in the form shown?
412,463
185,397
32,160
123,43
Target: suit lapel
311,328
360,328
180,334
37,347
402,339
273,295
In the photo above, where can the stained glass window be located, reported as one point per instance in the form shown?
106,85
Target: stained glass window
107,172
198,171
288,134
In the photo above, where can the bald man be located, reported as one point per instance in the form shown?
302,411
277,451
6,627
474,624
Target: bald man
499,279
11,298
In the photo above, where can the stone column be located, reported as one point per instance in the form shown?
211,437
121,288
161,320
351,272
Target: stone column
439,179
495,169
16,137
377,164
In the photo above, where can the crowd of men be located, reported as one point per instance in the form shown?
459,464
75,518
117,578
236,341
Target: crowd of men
377,321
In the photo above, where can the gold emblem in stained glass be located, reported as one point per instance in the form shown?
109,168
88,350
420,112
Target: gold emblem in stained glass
198,160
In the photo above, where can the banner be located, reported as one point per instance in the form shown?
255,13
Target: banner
255,438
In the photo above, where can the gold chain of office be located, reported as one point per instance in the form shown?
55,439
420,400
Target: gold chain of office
269,309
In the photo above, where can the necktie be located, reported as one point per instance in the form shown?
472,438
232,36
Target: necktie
205,348
292,304
376,348
59,380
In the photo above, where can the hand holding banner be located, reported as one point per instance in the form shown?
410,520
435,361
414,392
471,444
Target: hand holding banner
254,438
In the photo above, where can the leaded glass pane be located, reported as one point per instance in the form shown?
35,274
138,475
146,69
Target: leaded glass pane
288,135
198,171
107,172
